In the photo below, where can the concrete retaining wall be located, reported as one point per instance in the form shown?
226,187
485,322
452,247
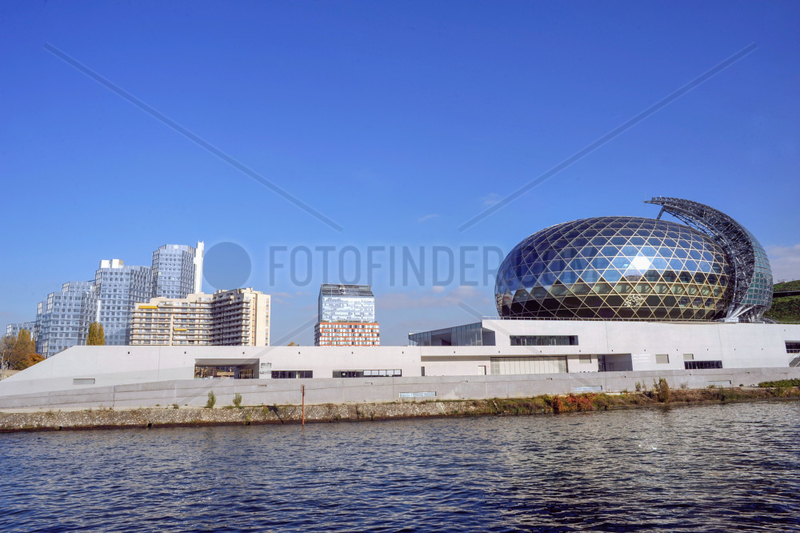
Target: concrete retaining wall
376,390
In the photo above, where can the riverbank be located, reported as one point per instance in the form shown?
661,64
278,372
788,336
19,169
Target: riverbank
176,416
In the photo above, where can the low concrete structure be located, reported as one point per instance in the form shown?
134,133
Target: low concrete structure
591,355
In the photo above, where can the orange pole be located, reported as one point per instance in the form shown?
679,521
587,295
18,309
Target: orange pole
303,390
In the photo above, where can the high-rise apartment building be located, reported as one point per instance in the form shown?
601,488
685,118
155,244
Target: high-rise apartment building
12,330
172,321
61,319
346,316
238,317
177,270
118,288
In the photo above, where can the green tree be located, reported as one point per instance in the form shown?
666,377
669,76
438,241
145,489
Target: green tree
96,335
18,353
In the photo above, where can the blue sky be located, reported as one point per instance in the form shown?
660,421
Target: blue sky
398,121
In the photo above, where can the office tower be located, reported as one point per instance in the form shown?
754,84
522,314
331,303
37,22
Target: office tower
238,317
177,270
118,288
61,318
346,316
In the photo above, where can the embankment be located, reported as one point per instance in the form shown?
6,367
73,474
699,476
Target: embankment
175,416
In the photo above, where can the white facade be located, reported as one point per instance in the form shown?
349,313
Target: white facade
624,346
239,317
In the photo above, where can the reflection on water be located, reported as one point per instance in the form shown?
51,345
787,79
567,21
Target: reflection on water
720,467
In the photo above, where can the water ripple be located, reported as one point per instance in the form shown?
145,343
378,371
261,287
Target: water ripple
721,467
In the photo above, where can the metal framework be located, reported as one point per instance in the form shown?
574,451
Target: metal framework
752,276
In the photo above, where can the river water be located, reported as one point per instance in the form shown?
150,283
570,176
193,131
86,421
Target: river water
728,467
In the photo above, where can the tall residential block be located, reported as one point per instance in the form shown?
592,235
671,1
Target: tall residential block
118,288
238,317
61,319
346,316
12,330
177,270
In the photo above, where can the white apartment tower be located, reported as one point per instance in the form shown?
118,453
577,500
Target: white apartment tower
238,317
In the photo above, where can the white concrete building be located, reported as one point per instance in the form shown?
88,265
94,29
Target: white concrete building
561,356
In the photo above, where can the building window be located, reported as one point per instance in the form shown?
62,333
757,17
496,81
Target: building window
701,365
662,358
544,340
688,357
292,374
792,346
395,373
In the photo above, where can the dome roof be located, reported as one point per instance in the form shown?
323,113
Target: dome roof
616,268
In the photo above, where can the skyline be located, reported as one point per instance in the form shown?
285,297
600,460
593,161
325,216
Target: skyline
398,123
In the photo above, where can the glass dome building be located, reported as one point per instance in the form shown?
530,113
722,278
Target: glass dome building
638,269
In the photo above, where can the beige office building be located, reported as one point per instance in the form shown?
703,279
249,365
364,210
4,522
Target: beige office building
239,317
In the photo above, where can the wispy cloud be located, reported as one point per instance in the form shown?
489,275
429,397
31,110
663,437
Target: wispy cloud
785,262
428,217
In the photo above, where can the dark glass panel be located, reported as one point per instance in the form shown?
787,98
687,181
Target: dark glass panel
539,293
580,288
652,275
593,301
625,313
653,301
623,288
558,289
605,313
602,288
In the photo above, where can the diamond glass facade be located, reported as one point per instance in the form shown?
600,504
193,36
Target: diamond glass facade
615,268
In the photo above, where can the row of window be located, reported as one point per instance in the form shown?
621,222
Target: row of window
395,373
544,340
